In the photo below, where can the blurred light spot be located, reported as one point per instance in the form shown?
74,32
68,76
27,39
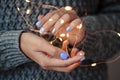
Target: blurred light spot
62,35
62,21
93,64
60,39
28,11
67,35
18,8
50,19
27,0
118,34
79,26
68,8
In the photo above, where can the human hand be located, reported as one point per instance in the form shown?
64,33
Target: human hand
66,22
40,51
55,19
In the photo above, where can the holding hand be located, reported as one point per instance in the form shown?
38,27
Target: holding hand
63,23
46,55
55,19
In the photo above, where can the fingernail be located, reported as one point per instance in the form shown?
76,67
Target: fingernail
38,23
42,30
63,56
53,30
68,28
82,59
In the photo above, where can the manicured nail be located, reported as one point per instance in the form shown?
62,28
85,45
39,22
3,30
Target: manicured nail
68,28
42,30
63,56
53,30
38,23
82,59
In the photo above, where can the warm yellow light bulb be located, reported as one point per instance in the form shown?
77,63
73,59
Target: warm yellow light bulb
93,64
79,26
28,11
27,0
68,8
62,35
60,39
51,42
118,34
50,19
62,21
18,8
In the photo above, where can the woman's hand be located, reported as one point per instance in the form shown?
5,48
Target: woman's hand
40,51
63,22
55,19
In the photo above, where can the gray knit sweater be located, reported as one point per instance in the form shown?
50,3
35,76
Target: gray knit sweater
102,15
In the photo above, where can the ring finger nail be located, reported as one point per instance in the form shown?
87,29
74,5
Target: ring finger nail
42,30
38,23
68,28
63,56
82,59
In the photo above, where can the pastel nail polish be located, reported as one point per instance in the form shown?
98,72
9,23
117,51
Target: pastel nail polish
63,56
68,28
38,23
53,30
82,59
42,30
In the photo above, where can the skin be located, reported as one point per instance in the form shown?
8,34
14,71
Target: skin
57,16
70,19
46,55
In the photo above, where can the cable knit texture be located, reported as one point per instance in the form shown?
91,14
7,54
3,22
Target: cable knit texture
102,15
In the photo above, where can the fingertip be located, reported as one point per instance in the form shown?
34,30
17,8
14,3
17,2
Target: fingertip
38,23
63,56
40,17
81,53
73,52
82,59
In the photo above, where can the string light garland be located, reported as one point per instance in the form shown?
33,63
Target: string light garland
60,38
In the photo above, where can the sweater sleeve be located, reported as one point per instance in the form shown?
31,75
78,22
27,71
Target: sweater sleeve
10,54
101,42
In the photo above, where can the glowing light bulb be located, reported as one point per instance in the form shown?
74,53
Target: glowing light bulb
62,21
27,0
51,42
28,11
79,26
68,8
60,39
118,34
93,64
62,35
18,8
67,35
50,19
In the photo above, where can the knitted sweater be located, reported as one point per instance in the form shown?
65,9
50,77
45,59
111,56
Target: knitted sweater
102,15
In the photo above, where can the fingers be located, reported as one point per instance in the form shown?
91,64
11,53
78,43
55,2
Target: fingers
65,69
50,22
64,19
57,64
49,19
73,52
55,19
74,23
45,18
40,17
53,62
65,45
